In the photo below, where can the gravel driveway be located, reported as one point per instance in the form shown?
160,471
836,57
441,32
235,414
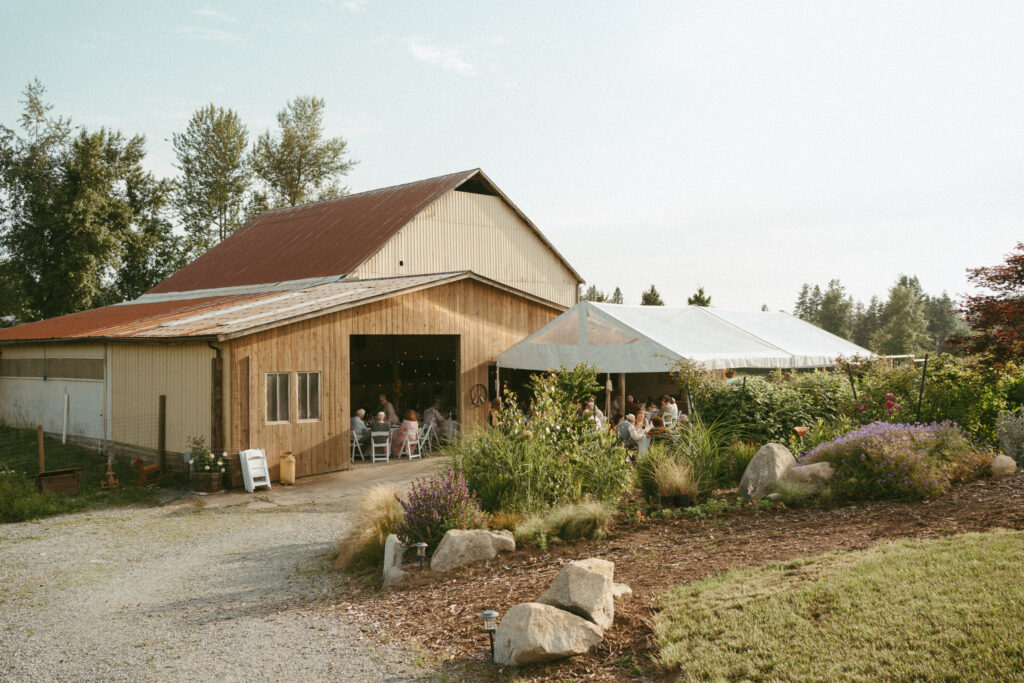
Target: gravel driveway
235,590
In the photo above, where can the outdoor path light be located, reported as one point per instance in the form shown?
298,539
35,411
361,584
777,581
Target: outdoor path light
490,618
421,552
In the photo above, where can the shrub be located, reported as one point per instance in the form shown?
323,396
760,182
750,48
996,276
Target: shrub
437,504
378,514
1010,430
19,500
571,522
735,459
703,445
646,463
504,521
674,477
791,493
556,458
883,460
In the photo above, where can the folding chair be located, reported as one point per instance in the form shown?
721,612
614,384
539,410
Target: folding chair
427,437
254,468
356,448
380,446
411,446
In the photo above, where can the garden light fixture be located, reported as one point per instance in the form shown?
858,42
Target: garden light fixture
490,618
421,552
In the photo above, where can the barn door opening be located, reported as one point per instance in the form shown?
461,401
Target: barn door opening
412,370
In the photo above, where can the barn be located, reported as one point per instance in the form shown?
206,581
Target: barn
275,336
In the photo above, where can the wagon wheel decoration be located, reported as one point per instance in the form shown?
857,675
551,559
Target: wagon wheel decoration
478,394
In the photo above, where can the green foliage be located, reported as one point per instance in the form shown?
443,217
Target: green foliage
734,462
646,464
79,215
436,505
767,409
901,461
299,164
956,616
996,315
704,446
557,458
616,297
588,520
215,174
699,298
651,297
791,493
905,329
19,463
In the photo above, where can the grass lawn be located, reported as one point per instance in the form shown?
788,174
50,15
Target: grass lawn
19,463
949,609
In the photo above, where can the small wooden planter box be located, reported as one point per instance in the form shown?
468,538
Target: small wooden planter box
207,482
67,481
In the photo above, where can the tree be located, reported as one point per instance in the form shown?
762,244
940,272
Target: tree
69,202
298,164
764,308
594,294
867,321
835,310
214,174
808,303
996,318
651,297
905,328
616,297
699,299
942,322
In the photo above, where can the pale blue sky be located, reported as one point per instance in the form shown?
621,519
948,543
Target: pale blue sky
744,146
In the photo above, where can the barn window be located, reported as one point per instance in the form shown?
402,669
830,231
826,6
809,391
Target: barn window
277,396
309,395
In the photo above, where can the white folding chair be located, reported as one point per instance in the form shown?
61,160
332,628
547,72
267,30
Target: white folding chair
380,446
427,436
254,468
356,448
411,446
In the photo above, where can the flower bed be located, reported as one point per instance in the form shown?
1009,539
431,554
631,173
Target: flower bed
901,461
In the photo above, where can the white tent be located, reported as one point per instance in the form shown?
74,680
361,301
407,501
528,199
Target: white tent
633,339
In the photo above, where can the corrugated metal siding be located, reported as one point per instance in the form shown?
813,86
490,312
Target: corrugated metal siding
468,231
140,374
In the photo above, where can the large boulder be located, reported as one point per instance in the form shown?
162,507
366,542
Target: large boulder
531,632
1003,466
765,467
459,547
394,551
811,476
585,588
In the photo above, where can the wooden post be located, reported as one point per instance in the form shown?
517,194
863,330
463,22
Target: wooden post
608,396
217,406
622,392
161,434
42,454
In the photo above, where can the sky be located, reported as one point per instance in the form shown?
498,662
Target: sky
746,147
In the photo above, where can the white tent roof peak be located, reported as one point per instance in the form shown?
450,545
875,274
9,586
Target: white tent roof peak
620,338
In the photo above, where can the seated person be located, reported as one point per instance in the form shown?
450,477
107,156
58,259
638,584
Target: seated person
381,424
658,428
409,427
628,433
359,428
432,415
669,412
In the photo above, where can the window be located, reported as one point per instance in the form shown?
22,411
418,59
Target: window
309,395
278,392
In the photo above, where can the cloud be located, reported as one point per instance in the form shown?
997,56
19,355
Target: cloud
209,34
448,58
214,14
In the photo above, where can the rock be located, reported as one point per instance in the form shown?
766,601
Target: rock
531,632
765,467
459,547
1003,466
621,590
812,476
584,587
394,551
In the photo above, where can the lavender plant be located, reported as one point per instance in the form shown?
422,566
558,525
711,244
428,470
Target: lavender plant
902,461
437,504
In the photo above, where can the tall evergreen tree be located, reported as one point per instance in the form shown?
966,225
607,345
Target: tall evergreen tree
699,298
835,310
214,174
298,164
808,303
616,297
594,294
942,322
904,327
867,321
651,297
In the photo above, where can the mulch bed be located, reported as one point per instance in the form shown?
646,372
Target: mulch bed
440,611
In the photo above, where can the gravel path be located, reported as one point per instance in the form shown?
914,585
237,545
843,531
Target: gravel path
186,592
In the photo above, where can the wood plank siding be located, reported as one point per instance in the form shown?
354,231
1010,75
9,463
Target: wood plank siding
488,320
469,231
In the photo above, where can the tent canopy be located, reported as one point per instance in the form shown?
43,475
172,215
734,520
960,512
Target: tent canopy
617,338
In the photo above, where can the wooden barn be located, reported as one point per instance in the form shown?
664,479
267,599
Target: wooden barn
273,338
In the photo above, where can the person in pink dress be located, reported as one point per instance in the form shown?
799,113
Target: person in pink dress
409,426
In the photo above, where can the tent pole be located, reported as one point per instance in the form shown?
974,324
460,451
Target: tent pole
608,396
497,381
622,392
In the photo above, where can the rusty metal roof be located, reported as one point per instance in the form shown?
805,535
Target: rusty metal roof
225,317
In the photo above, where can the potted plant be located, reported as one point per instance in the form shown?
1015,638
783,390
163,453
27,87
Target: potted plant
205,470
675,483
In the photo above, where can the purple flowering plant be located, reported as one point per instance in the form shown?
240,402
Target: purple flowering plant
437,504
883,460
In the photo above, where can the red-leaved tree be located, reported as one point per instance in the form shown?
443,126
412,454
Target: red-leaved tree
996,319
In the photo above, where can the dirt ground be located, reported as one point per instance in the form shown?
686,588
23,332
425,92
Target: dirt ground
441,611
